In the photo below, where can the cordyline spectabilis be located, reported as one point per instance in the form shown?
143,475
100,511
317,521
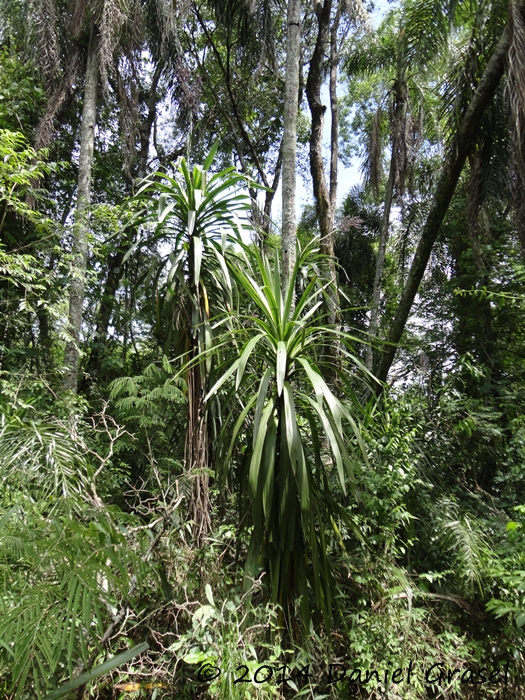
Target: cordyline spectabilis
195,218
294,437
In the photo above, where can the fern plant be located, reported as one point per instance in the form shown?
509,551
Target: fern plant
65,566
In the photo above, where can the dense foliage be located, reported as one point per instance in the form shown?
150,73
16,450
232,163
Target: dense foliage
229,472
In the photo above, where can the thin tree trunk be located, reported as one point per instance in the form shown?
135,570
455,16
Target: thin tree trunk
325,213
291,99
383,239
334,112
81,225
398,131
270,194
107,304
454,161
317,108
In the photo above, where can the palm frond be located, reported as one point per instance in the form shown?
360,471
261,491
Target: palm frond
45,456
65,579
372,166
426,25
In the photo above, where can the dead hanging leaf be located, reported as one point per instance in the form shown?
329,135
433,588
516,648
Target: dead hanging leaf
350,222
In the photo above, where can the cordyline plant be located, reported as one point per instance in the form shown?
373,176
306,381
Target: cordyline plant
195,215
301,434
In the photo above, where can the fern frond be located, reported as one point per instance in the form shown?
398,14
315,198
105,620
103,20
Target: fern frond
462,537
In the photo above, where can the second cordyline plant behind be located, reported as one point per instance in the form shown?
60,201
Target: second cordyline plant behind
194,215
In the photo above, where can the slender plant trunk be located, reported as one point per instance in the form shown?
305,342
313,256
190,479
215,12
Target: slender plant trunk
107,304
196,448
291,99
81,225
398,135
317,108
325,212
268,199
196,452
383,239
454,161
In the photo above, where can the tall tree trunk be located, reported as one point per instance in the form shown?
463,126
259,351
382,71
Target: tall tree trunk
398,133
454,161
291,99
383,239
325,213
334,112
81,225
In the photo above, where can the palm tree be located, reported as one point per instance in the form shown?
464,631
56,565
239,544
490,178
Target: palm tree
92,36
81,225
404,55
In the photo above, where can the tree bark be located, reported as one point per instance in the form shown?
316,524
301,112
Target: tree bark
398,131
317,109
334,111
291,104
81,225
325,212
454,161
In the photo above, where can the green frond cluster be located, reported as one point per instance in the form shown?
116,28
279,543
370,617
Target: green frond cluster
463,540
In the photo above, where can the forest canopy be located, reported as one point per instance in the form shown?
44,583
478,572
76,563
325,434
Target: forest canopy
251,447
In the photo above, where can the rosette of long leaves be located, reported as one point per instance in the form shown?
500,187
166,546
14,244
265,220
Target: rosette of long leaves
303,438
195,215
